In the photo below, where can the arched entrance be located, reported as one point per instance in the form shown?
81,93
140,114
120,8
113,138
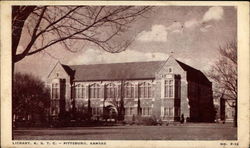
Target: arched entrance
110,112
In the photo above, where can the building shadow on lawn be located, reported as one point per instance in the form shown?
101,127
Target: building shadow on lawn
19,133
75,128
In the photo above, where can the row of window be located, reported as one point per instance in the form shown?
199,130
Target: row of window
144,90
146,111
112,91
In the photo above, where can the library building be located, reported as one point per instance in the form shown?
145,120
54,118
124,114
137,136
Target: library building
166,90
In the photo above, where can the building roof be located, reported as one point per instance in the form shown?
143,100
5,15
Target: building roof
128,71
194,74
114,71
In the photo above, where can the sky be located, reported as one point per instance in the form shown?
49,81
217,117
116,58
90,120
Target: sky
190,34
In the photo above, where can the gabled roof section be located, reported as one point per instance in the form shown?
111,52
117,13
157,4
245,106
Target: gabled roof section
53,68
115,71
194,74
128,71
67,70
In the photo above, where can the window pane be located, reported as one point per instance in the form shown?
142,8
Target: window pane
171,112
170,91
83,92
132,92
166,89
79,92
95,91
111,91
131,111
129,90
169,88
55,91
142,90
149,92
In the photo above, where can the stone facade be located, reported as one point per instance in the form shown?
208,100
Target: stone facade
166,90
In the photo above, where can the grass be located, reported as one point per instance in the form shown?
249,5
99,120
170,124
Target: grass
172,132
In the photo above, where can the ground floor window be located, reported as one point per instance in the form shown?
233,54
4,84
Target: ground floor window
96,111
146,111
129,111
167,111
230,113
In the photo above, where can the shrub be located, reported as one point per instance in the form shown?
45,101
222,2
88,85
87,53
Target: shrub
148,121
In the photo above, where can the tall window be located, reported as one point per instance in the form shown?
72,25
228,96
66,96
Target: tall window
111,90
169,88
145,90
95,91
129,90
79,91
83,89
55,90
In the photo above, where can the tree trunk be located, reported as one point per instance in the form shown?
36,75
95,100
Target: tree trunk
12,107
236,115
18,19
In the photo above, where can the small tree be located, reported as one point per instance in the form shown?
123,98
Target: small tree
29,97
224,75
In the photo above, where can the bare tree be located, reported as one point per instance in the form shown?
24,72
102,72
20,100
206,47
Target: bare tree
72,26
224,75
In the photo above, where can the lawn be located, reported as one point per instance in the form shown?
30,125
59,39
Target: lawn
131,132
